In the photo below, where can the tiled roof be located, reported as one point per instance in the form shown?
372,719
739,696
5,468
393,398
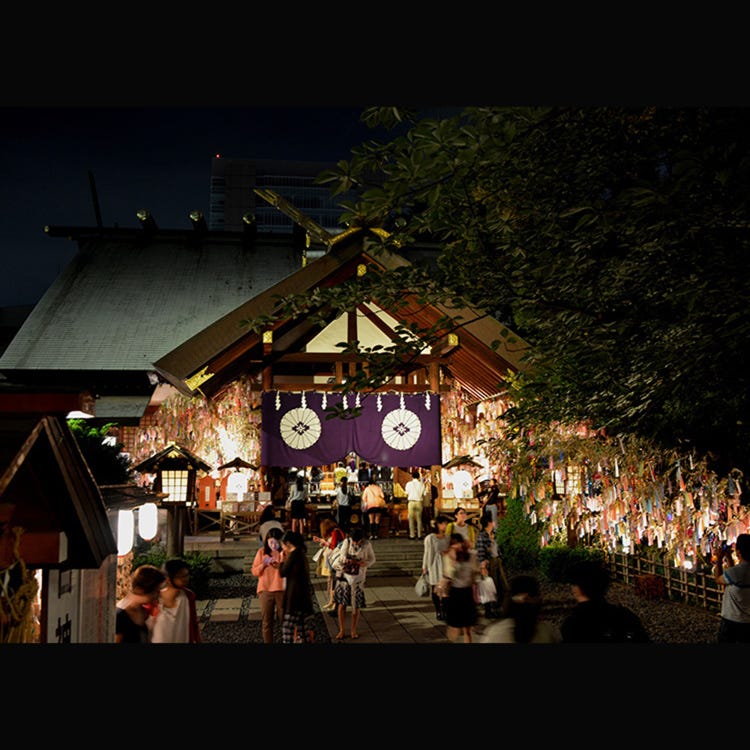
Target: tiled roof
123,303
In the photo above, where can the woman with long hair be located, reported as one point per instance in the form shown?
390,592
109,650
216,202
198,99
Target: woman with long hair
266,568
298,504
297,603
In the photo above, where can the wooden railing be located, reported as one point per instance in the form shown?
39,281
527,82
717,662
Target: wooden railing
658,579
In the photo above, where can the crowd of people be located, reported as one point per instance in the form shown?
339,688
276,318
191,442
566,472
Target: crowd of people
459,560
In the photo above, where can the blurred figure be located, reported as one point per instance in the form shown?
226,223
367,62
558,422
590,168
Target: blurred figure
435,546
176,619
734,626
521,610
460,567
594,619
136,606
266,568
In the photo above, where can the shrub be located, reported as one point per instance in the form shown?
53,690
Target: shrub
199,563
517,538
556,560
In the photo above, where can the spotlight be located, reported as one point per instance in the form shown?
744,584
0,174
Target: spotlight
147,221
199,221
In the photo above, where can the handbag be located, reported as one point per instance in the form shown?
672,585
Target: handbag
351,566
486,590
334,557
422,586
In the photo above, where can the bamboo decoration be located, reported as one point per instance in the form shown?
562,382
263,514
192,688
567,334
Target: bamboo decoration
18,590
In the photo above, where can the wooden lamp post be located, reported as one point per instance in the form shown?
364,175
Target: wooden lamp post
175,468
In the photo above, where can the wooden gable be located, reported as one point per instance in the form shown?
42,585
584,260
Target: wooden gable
46,488
288,358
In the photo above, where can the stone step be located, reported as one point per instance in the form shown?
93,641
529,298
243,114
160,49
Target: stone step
396,556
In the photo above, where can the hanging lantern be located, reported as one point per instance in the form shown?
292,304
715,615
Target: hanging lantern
125,527
148,521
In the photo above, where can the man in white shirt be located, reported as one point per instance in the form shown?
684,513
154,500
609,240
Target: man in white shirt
414,490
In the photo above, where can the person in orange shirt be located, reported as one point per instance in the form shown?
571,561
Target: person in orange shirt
373,503
265,568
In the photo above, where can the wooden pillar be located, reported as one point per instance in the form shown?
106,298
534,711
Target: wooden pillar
434,377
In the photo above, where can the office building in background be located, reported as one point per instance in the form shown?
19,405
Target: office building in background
232,196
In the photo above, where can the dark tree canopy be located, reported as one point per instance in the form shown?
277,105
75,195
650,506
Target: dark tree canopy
613,240
106,461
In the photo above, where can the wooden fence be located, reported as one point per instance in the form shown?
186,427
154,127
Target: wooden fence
654,579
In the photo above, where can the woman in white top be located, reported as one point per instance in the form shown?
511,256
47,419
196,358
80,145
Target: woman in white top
435,546
176,619
356,555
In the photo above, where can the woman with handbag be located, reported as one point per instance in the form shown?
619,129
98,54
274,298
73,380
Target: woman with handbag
435,546
355,556
330,536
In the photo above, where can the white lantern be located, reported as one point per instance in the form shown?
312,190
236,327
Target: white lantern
148,521
125,527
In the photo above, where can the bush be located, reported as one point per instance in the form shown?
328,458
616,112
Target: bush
199,563
517,538
556,560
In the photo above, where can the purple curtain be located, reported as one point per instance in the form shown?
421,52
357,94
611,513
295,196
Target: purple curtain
392,430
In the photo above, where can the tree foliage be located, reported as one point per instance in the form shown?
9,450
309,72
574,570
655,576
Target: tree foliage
613,240
106,461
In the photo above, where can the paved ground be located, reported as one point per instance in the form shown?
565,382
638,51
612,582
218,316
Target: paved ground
394,613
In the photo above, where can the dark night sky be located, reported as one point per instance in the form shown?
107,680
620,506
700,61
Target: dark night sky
157,158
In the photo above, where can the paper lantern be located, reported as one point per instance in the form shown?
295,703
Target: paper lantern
148,521
125,528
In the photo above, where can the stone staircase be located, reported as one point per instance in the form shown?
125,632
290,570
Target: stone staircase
395,556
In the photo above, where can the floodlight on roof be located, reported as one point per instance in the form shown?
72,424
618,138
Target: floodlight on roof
199,221
144,216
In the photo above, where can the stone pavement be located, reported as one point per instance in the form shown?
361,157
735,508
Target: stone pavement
394,613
